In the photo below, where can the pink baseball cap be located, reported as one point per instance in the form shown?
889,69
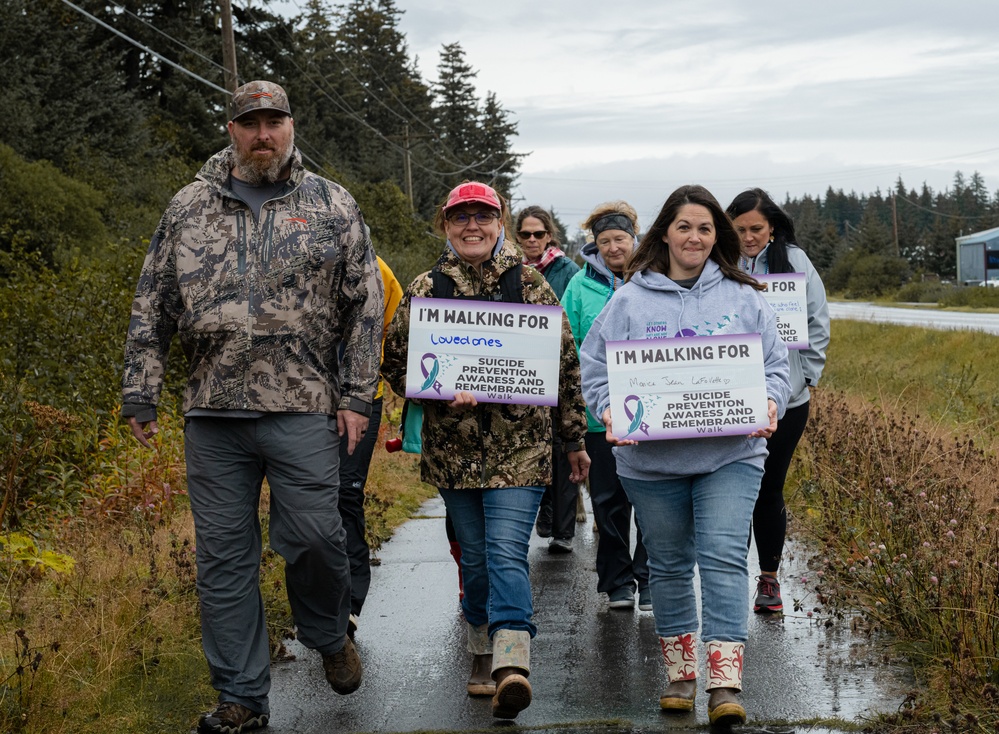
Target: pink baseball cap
473,191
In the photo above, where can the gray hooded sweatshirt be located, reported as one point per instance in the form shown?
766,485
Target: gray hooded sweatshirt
651,306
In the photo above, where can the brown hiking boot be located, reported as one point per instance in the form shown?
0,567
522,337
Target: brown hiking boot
343,669
230,717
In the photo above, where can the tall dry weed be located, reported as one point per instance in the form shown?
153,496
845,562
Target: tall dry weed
905,517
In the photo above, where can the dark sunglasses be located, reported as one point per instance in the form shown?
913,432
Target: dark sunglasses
535,235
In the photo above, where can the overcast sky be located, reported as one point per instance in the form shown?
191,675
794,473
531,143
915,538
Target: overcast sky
629,99
632,98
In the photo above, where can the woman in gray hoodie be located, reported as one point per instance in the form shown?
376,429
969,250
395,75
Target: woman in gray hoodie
693,497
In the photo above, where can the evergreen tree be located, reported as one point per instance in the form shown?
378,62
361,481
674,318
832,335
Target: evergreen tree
495,136
456,113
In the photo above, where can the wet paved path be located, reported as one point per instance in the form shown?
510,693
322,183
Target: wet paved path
593,669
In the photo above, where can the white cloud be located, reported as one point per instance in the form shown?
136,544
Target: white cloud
634,97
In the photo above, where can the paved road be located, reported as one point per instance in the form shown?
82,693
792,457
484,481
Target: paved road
594,669
927,317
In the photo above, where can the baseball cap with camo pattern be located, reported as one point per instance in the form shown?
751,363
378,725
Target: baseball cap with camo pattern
259,95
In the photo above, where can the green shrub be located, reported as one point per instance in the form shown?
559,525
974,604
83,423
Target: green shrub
43,457
922,292
44,211
62,329
972,297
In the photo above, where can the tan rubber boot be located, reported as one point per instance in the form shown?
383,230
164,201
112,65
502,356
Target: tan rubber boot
511,666
725,683
480,682
680,654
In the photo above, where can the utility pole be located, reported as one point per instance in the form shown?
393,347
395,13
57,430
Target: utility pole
407,167
228,47
894,224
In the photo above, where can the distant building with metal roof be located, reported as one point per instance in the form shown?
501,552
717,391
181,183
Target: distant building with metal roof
978,257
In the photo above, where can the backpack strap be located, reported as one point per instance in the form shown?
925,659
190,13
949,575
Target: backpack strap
511,286
443,286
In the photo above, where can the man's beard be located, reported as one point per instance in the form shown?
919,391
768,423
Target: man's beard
256,171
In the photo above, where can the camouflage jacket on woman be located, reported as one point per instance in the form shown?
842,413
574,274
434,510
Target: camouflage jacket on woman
494,444
261,305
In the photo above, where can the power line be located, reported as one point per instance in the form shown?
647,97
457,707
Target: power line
299,141
450,158
148,50
168,36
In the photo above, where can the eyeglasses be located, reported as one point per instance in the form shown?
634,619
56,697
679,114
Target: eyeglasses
463,218
539,235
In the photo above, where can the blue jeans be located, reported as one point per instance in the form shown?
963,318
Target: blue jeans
493,528
702,519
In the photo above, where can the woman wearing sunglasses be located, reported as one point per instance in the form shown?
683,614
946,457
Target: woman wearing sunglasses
538,239
491,461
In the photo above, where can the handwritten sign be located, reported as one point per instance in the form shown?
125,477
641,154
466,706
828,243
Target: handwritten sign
499,352
787,297
687,387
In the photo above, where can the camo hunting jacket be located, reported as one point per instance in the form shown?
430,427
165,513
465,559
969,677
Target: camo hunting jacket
495,444
261,305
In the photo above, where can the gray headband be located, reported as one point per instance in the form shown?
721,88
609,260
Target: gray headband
613,221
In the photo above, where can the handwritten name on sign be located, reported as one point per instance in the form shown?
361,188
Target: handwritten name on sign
787,297
687,387
499,352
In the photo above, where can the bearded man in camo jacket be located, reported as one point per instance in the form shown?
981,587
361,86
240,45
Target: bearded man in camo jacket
265,270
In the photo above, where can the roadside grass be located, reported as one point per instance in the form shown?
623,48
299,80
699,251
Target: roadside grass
894,486
945,377
99,622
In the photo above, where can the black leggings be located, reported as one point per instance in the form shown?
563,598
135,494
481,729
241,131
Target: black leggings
770,514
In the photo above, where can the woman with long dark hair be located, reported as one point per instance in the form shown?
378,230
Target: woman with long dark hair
768,247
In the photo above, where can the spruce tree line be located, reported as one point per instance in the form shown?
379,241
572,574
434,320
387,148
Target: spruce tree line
102,125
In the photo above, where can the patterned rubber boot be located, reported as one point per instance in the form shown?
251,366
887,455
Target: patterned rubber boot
680,654
480,682
511,666
725,683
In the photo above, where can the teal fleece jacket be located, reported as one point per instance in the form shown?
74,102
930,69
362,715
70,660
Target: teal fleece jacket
585,297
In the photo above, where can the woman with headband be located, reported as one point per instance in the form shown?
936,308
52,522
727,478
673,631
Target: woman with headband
614,226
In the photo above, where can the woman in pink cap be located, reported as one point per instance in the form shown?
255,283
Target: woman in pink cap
491,461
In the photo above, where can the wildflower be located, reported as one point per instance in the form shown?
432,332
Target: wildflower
808,614
926,544
934,580
950,534
904,556
853,569
887,580
953,563
890,505
953,521
922,495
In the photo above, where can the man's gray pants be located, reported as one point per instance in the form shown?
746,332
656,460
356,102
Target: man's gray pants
227,460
